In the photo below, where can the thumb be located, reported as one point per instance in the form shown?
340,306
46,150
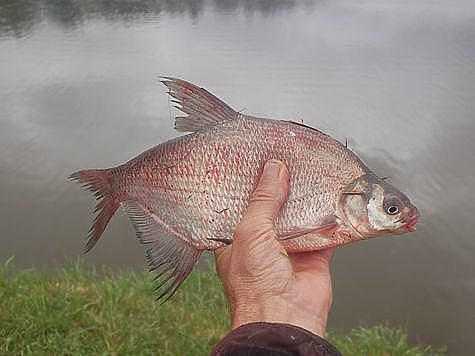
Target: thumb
265,204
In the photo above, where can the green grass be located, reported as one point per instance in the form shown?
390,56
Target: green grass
78,311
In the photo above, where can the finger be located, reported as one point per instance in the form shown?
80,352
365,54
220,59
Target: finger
265,203
222,257
221,251
271,191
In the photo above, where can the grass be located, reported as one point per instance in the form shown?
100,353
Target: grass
78,311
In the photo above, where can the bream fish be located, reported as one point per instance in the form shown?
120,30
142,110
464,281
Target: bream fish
188,194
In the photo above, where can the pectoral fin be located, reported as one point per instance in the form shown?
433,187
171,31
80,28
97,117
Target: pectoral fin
324,227
225,240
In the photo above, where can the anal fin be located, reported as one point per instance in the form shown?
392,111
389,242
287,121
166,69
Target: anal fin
168,255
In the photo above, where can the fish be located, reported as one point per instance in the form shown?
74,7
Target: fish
188,194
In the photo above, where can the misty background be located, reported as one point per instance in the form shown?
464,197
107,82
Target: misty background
79,89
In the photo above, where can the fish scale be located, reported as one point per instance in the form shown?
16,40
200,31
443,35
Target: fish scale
237,180
188,194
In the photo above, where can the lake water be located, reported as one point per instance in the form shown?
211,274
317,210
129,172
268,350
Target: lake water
79,89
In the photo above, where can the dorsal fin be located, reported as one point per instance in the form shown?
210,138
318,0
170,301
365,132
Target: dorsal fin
202,107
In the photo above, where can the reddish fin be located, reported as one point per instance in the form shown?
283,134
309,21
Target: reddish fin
168,254
98,181
324,228
203,108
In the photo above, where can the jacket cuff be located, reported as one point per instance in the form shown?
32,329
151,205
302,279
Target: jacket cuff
273,338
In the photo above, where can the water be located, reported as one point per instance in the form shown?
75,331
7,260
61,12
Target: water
79,89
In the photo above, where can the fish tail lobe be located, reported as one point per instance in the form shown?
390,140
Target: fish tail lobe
99,182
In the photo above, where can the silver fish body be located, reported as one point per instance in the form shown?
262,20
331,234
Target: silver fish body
188,194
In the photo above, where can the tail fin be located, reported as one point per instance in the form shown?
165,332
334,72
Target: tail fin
98,181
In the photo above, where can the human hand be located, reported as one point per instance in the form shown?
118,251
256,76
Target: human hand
262,282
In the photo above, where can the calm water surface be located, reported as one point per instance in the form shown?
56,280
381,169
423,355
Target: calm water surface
79,89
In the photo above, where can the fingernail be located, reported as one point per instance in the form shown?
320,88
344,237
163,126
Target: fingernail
272,169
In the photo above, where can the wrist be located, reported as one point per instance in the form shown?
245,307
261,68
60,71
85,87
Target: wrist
254,311
279,311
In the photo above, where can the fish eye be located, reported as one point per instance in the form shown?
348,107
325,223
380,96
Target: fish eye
392,205
391,210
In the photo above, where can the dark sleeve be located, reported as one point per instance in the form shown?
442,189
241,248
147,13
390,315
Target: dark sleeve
273,339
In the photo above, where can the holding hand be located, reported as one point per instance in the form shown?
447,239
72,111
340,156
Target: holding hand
262,282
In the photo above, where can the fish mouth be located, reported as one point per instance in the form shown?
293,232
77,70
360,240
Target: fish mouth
411,223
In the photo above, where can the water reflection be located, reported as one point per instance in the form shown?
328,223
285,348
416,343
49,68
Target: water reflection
17,18
79,89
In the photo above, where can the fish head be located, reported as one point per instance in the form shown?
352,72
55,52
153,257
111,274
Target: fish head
373,207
